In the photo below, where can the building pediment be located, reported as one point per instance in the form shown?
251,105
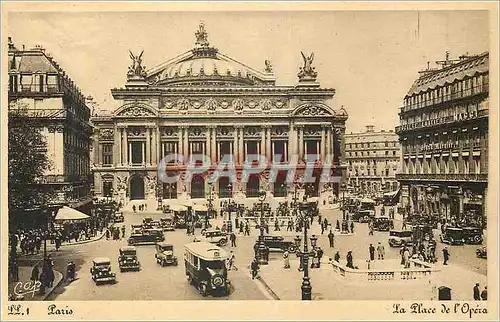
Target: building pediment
136,110
313,110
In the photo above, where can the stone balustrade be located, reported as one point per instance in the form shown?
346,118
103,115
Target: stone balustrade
419,271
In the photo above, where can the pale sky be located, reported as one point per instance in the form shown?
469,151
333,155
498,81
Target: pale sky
371,58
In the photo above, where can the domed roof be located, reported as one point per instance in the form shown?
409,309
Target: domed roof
204,65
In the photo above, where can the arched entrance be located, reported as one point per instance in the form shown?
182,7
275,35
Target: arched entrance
136,188
198,187
253,186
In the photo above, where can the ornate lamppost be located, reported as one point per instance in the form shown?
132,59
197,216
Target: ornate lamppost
230,222
210,204
305,254
262,251
343,188
159,196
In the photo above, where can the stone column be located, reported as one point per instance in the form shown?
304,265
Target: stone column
300,142
124,147
154,145
292,142
240,147
186,144
116,146
323,144
213,129
143,153
148,145
328,150
268,142
262,149
246,150
129,162
236,149
181,141
208,145
157,144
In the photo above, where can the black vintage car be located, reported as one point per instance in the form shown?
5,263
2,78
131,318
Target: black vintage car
146,236
452,236
165,254
127,260
279,243
473,235
205,266
382,224
101,271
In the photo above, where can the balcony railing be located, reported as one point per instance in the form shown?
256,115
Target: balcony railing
481,177
446,98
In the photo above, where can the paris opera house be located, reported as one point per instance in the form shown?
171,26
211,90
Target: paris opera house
204,102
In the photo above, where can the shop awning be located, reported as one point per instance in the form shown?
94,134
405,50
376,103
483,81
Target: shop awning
313,199
178,208
391,194
70,214
200,208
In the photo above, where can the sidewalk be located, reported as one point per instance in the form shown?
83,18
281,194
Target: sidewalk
52,247
24,282
329,285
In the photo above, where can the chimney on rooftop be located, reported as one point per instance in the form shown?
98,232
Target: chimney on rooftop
370,128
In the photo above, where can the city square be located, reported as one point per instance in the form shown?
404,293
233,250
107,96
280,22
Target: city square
203,178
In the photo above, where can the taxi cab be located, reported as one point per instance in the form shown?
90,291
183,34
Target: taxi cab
205,266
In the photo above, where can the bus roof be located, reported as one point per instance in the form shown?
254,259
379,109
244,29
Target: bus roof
206,251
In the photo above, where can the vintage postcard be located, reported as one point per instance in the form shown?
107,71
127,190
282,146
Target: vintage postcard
250,161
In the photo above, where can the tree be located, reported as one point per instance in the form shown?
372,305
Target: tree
27,160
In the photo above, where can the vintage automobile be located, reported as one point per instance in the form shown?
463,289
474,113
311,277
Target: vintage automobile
279,243
118,217
363,216
213,237
205,266
399,238
473,235
101,271
167,223
481,252
127,261
146,236
165,254
382,224
452,236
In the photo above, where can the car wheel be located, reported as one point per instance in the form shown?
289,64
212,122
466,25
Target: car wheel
477,239
222,242
291,249
131,242
203,231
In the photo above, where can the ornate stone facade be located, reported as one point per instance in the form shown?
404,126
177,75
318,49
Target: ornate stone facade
204,102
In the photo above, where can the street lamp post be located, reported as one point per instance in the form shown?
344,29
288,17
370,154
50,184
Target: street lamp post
343,187
210,205
230,222
262,253
304,258
159,197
